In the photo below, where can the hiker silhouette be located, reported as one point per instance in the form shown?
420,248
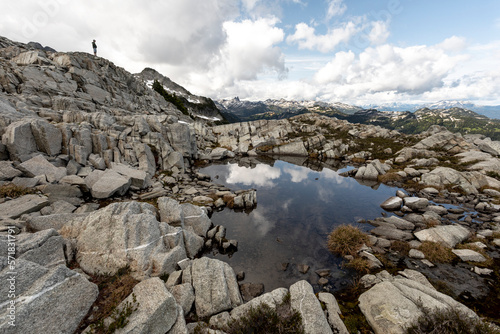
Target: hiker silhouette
94,46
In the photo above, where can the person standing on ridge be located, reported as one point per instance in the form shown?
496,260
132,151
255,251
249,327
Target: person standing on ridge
94,46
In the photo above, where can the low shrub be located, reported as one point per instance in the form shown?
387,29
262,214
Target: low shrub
112,291
401,247
390,177
267,320
436,252
359,264
449,321
346,240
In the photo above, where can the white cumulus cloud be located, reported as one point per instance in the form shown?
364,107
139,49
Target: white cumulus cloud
413,69
306,38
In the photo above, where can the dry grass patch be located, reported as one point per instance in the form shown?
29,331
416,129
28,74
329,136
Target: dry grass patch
449,321
436,252
112,291
390,177
13,191
359,264
401,247
346,240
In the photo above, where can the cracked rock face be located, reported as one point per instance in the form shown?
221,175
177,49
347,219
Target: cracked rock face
395,303
126,234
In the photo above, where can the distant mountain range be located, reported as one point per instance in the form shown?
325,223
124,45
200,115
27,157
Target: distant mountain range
490,111
278,109
407,118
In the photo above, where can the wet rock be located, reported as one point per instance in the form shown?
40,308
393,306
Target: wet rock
323,281
303,268
392,203
416,203
323,272
251,290
400,194
284,266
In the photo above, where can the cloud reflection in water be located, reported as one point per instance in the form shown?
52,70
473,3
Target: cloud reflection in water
297,173
261,176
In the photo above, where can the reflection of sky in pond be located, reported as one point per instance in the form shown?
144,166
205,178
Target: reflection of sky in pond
297,208
260,176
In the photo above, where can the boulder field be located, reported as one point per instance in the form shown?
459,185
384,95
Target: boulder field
98,177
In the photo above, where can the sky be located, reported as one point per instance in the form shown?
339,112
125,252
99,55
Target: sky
359,52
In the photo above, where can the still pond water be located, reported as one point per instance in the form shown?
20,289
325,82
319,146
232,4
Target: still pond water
297,208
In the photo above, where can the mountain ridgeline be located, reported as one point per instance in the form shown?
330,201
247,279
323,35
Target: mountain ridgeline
454,119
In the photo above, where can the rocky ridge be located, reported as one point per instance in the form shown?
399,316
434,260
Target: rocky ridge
83,133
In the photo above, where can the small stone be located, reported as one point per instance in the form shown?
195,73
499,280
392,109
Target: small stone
283,266
303,268
323,272
416,254
469,255
323,281
251,290
482,271
240,276
485,233
392,203
428,263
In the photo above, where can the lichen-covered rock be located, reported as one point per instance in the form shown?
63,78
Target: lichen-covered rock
394,304
126,234
448,235
38,289
215,286
156,310
304,301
